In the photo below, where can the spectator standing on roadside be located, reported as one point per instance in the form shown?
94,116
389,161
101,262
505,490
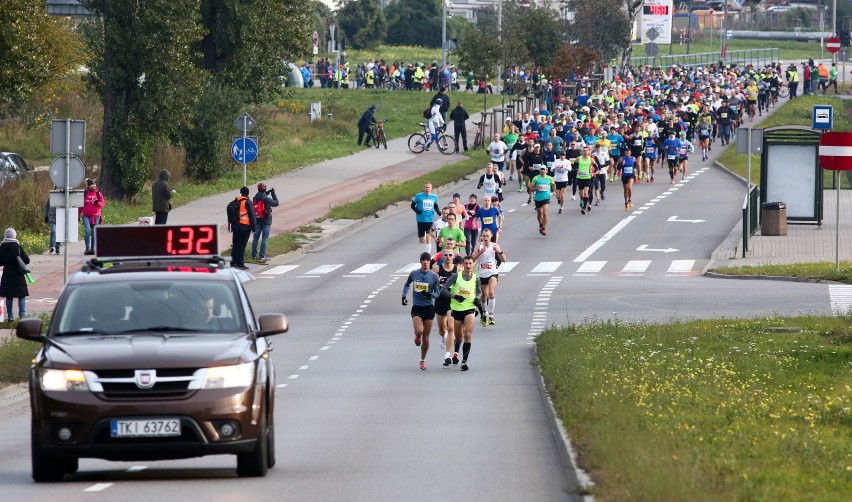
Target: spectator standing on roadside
263,214
13,283
242,228
162,193
443,102
50,219
93,202
459,115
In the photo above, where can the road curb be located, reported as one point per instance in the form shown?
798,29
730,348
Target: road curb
560,435
785,278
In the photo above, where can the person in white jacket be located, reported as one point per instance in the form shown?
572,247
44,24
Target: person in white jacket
436,122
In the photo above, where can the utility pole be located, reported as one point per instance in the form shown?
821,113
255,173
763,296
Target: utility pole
443,34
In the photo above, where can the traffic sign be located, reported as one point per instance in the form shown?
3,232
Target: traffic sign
76,171
244,150
652,49
245,123
729,34
832,45
823,117
835,151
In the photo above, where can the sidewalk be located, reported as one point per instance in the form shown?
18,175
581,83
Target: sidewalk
304,195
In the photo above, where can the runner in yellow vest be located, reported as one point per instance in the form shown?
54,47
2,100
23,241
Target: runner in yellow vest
464,292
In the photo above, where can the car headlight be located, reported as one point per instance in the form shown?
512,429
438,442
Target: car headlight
225,377
63,380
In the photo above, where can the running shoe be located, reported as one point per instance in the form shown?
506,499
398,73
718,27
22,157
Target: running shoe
510,177
447,361
529,201
491,320
582,211
455,357
422,365
671,182
652,179
582,204
598,202
520,189
543,231
484,321
417,340
638,180
464,366
560,210
603,197
625,207
589,208
443,341
574,197
630,203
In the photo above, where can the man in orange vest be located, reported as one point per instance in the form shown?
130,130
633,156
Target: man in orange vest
242,229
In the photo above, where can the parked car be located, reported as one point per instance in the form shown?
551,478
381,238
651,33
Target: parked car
8,170
20,164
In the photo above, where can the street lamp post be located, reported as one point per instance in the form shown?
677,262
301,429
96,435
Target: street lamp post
443,34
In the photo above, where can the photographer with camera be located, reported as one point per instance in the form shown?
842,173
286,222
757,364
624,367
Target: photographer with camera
263,203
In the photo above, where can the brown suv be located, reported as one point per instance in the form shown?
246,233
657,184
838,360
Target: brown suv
151,359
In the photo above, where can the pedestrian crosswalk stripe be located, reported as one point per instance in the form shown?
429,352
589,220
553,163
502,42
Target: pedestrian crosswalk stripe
679,267
507,267
840,297
368,268
635,267
280,269
408,268
324,269
546,267
590,267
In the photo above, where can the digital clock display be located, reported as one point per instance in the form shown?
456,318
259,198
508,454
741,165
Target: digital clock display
655,10
156,240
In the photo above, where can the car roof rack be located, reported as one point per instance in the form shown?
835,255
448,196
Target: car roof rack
123,264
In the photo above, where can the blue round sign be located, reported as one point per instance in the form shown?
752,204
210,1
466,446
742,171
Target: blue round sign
244,150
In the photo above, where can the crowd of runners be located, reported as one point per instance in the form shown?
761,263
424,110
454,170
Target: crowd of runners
629,130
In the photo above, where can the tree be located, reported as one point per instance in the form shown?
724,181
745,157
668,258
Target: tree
529,33
478,52
148,80
37,53
363,22
572,59
605,36
414,22
631,9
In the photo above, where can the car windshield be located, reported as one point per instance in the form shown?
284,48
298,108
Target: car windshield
137,307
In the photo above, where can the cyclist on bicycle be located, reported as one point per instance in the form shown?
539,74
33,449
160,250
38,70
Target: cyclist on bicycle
435,124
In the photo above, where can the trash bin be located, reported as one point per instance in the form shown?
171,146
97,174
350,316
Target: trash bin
773,218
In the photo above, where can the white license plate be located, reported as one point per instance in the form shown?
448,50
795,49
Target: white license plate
155,427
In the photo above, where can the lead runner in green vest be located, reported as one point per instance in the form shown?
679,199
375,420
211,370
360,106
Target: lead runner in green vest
463,291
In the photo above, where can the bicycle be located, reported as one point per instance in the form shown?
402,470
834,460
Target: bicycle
477,140
783,90
417,141
379,135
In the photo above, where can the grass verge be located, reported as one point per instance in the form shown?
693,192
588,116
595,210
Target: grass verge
707,410
823,271
795,112
791,50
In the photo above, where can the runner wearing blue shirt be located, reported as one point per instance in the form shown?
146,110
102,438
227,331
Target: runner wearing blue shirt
425,287
684,147
628,172
650,156
671,146
425,204
616,144
543,185
489,217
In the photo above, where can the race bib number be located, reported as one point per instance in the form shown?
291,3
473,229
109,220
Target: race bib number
465,292
549,166
637,142
650,149
682,151
542,188
488,220
671,157
428,205
724,115
421,287
536,166
486,266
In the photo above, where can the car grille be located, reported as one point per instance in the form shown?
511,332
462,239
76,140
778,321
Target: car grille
169,383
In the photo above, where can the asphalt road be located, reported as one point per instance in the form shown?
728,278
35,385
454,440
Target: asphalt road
357,420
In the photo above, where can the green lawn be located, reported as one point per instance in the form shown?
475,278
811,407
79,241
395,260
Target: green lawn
707,410
823,271
791,50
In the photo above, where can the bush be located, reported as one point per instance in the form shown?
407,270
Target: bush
207,138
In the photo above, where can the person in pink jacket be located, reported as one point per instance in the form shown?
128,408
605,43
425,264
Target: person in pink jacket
93,201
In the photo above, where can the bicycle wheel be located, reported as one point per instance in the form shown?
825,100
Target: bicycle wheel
784,91
377,139
416,143
477,141
384,142
447,145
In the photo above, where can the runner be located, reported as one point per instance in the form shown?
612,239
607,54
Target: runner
616,151
518,156
602,166
452,231
650,157
425,204
683,149
627,174
491,182
543,185
471,225
490,256
704,131
671,146
445,267
497,149
490,218
533,161
561,176
584,179
464,292
424,292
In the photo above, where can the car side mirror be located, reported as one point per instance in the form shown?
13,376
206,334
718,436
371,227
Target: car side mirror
272,324
29,329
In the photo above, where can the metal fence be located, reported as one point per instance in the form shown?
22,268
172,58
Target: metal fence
756,57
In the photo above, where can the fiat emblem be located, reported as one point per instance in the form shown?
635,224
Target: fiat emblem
145,379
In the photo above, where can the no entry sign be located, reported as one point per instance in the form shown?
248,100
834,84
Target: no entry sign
835,151
832,45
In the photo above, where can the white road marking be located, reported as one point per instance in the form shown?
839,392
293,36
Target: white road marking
408,268
603,240
635,267
137,468
680,267
644,247
507,267
314,358
368,268
293,377
97,487
325,348
324,269
674,218
281,385
590,267
303,367
281,269
546,267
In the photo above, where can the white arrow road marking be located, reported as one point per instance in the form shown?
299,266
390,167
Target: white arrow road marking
674,218
97,487
603,240
644,247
